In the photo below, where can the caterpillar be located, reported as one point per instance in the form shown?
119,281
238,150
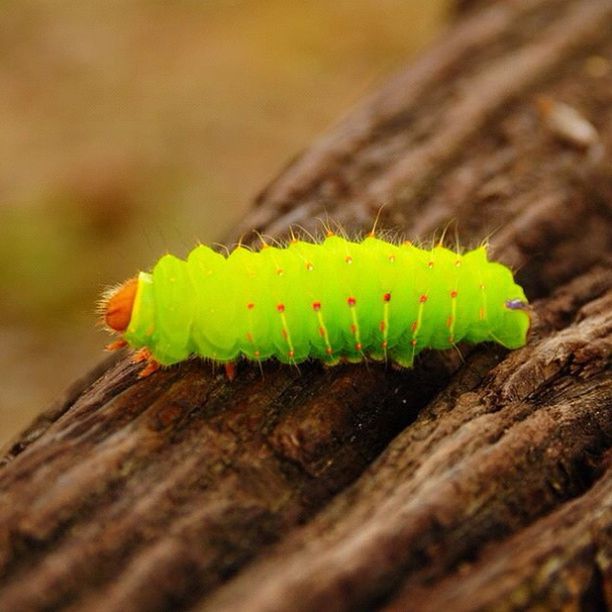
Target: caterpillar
334,300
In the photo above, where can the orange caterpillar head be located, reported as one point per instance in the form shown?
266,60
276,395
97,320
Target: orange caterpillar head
116,305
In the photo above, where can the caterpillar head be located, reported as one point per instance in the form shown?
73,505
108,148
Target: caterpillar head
116,305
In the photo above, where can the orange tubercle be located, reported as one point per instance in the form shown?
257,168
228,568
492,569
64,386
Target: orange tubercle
117,305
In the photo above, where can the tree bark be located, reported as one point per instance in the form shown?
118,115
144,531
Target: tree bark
481,481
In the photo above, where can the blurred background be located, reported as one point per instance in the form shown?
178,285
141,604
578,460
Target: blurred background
133,128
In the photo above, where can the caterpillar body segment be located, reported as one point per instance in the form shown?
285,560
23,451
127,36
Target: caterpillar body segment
334,300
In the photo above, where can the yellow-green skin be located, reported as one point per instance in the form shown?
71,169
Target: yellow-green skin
337,299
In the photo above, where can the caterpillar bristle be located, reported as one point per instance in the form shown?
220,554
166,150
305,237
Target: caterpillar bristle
278,243
262,239
306,234
372,232
327,229
102,304
224,247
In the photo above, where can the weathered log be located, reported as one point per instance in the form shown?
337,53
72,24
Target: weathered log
473,482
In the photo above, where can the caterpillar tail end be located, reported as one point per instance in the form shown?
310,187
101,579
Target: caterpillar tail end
115,309
116,305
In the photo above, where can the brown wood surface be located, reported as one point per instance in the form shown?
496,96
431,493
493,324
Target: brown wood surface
467,483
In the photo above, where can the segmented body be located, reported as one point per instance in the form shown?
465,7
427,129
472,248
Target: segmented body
330,300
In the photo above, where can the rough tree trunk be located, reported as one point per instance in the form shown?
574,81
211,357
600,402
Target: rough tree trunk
475,483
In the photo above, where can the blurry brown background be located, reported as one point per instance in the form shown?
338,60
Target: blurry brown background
129,129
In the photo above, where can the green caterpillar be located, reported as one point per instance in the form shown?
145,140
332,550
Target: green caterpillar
334,300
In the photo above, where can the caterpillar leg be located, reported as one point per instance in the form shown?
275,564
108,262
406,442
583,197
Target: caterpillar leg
152,366
116,345
404,359
330,363
230,370
142,354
